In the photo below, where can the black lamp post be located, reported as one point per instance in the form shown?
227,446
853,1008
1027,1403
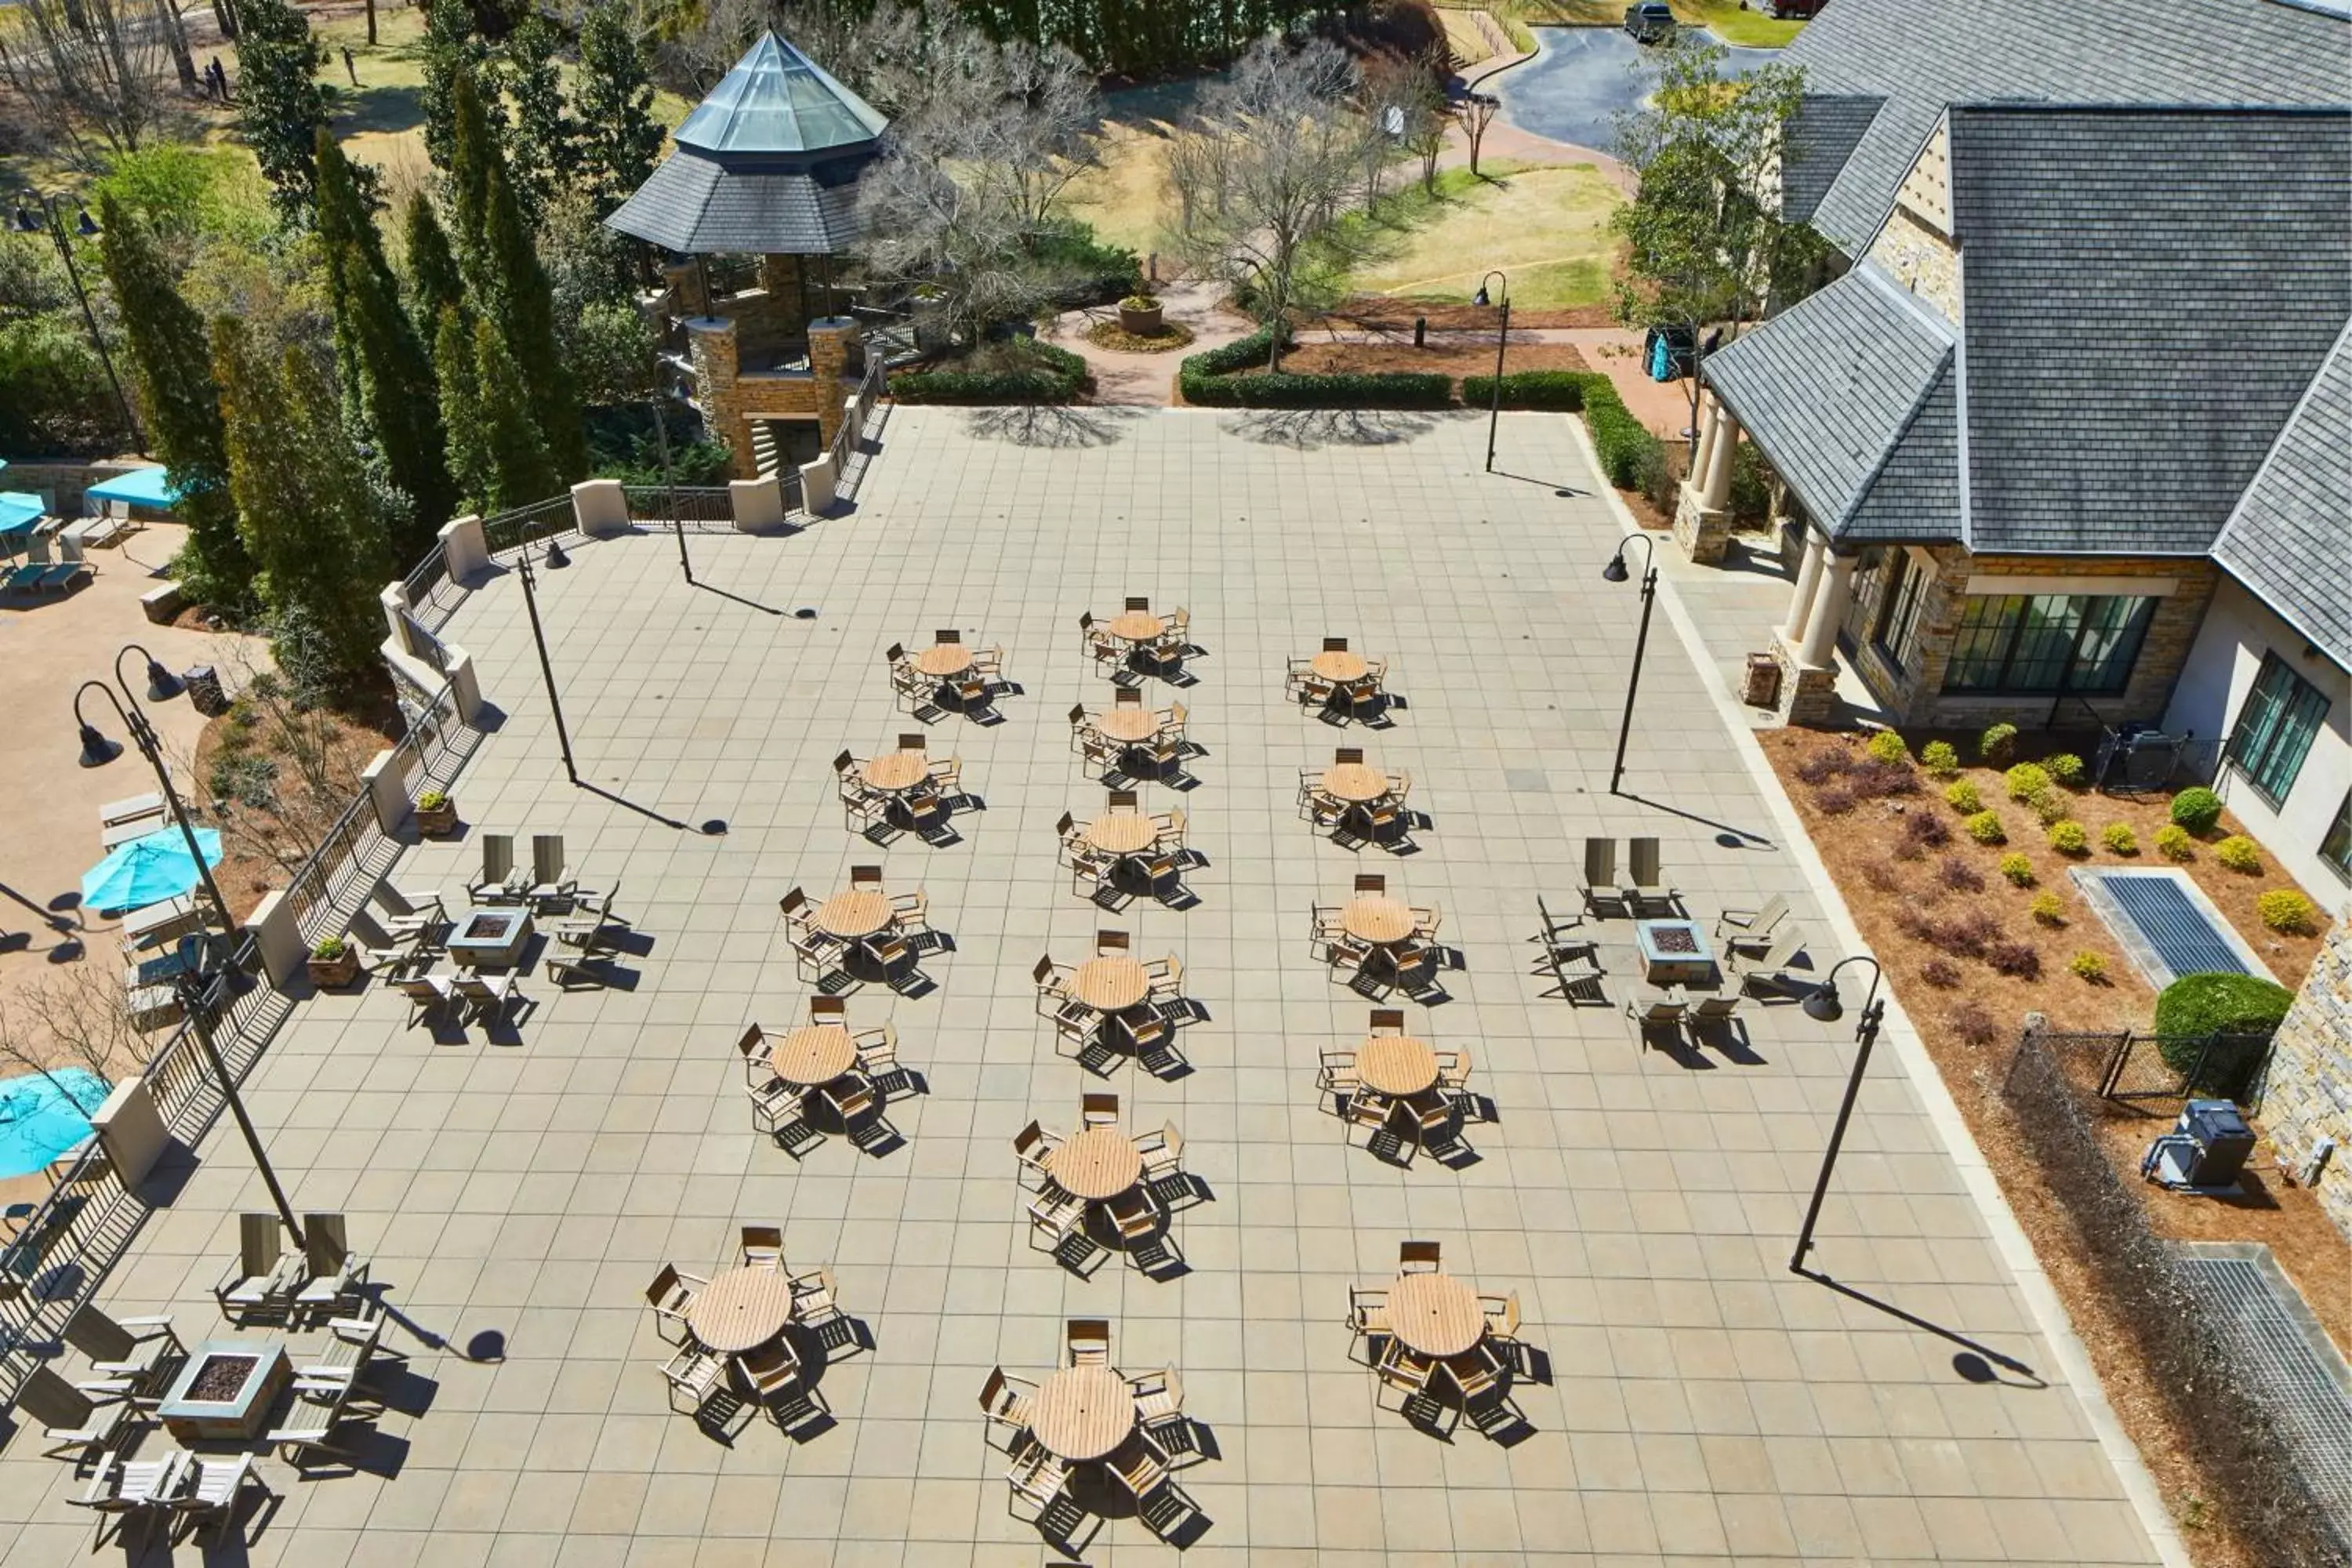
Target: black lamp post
1502,336
1616,571
539,639
669,479
97,751
1823,1004
49,220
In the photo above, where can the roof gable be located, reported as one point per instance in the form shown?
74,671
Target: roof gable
2289,539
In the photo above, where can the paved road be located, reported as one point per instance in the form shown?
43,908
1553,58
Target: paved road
1581,80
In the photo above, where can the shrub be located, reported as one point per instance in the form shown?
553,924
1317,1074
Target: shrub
2090,966
2069,837
1629,454
2025,781
1959,875
2018,958
1939,758
1834,801
1880,877
1820,766
328,947
1942,973
1972,1023
1030,372
2048,805
1925,830
2049,909
433,799
2172,842
1093,273
1138,302
1997,745
1228,377
2219,1003
2017,869
2238,853
1557,391
1985,827
1888,746
2120,837
1875,779
2065,767
1961,796
2197,809
2283,909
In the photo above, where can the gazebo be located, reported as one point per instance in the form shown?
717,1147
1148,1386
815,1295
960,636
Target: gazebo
766,166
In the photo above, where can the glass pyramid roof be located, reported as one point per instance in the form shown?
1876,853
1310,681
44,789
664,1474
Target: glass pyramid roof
777,100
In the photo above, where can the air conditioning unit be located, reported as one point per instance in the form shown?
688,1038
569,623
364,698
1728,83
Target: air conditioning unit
2205,1150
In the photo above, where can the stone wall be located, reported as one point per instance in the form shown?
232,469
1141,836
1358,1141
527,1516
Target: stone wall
60,485
2308,1093
1920,259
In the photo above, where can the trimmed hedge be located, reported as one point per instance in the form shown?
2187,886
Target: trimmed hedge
2222,1004
1060,379
1228,378
1557,391
1629,454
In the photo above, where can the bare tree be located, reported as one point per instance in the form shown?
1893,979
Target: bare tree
285,776
78,1017
1475,112
91,71
1260,176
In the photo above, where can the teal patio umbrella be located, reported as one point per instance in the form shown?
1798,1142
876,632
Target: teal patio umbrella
148,871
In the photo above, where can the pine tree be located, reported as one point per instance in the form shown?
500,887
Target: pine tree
172,370
453,52
461,411
280,105
544,146
619,136
303,509
386,375
434,284
520,469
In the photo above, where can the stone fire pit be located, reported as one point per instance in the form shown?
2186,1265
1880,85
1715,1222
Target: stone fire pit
225,1391
489,939
1675,953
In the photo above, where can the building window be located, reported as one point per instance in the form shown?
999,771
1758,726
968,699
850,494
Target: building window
2275,727
2047,642
2337,847
1898,607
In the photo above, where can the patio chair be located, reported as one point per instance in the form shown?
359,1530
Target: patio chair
1052,1216
1601,894
1132,1465
496,883
1166,976
1655,1013
1167,828
1646,893
1502,1314
815,1299
427,995
486,995
138,808
1036,1479
1368,1311
1452,1068
1401,1373
1006,1403
1770,968
695,1375
1087,1341
1030,1146
850,1099
1336,1075
207,1491
352,1345
762,1247
333,1273
71,1418
129,1490
1162,1152
1418,1257
1100,644
297,1445
1098,1110
669,1296
405,913
877,1050
1712,1010
135,1349
1476,1373
776,1111
1158,1397
1739,928
595,933
257,1282
773,1368
1132,1214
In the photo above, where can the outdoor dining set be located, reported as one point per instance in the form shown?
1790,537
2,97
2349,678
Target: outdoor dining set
822,1070
1136,642
1101,1182
1376,941
1338,681
1355,800
1131,738
1089,1421
1115,1004
1401,1089
860,934
487,942
1123,850
950,674
1439,1348
905,789
745,1332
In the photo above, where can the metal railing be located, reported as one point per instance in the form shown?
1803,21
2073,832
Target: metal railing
705,508
432,597
72,1241
869,390
510,531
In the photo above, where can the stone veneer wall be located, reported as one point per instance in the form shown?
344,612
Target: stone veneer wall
2309,1091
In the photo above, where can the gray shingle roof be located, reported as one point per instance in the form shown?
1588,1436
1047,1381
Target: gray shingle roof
1829,390
1821,137
2290,539
1924,55
2147,294
698,206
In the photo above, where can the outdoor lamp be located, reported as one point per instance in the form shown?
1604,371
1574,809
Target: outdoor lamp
555,559
87,225
162,684
1479,299
26,223
1615,571
1823,1003
97,751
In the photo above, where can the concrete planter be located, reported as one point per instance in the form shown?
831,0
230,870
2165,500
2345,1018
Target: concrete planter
1141,323
327,973
434,821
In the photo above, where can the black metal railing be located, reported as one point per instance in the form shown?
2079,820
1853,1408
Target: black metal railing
432,597
700,507
2134,1070
510,531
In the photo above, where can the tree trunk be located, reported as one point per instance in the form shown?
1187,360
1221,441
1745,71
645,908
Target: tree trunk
371,14
225,13
177,36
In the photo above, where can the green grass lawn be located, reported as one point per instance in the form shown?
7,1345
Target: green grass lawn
1547,227
1723,18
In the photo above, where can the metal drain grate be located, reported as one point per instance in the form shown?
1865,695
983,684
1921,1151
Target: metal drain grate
2294,1370
2165,924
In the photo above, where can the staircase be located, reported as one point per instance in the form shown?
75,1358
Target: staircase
765,458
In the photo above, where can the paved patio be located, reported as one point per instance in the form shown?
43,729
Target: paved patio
517,1191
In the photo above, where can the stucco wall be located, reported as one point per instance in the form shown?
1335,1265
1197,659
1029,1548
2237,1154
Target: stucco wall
2307,1094
2223,664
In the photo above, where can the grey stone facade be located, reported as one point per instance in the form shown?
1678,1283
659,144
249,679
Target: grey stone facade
2308,1093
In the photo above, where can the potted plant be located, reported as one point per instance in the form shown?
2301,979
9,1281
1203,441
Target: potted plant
1139,314
436,812
333,962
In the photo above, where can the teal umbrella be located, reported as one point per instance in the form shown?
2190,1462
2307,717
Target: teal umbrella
148,871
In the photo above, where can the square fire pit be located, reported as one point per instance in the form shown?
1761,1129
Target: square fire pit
225,1393
489,939
1675,953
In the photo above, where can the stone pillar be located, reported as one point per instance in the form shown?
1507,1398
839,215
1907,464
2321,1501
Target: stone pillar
464,684
1723,460
284,955
1819,650
396,605
600,508
130,1130
781,276
1702,451
385,793
1809,579
830,339
817,480
464,548
713,341
758,504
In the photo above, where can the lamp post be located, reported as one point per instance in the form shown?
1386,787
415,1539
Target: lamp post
1502,336
1616,571
1823,1004
27,223
669,479
539,639
97,751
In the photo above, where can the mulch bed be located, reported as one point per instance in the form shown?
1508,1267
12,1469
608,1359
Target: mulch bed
1444,356
1384,314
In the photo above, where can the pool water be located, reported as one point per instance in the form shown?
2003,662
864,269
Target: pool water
43,1115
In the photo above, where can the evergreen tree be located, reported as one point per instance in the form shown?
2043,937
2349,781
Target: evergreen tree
619,136
434,284
521,471
461,411
280,105
543,147
172,370
304,510
453,52
386,375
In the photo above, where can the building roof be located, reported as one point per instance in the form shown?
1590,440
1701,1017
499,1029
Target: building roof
777,100
698,206
2289,540
1922,56
1822,137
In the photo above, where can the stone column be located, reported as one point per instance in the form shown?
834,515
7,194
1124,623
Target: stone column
385,793
1709,413
1809,579
713,341
464,550
600,508
1721,460
830,338
130,1130
781,276
1819,650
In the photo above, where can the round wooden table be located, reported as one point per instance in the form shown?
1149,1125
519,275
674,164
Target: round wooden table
1121,833
944,659
1082,1413
860,913
1374,917
1354,782
1435,1314
742,1310
1132,723
894,772
1097,1163
1110,985
1338,664
1136,626
1396,1064
812,1054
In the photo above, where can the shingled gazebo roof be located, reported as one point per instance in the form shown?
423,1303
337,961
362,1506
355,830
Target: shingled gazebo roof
767,164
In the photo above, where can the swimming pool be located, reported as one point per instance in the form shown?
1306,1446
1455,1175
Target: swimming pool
42,1115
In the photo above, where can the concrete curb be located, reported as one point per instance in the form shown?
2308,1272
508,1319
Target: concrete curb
2009,1237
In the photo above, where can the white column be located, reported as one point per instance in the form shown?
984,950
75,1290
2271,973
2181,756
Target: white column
1710,412
1829,601
1719,465
1809,581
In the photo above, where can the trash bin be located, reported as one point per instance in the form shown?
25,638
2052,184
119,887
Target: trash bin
205,693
